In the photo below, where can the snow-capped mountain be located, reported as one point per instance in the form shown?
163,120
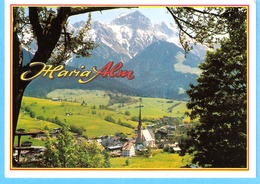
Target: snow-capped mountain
152,51
129,34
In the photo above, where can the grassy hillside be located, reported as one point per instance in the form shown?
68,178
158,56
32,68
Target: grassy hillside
96,112
152,107
82,117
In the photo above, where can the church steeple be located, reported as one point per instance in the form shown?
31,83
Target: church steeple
140,116
139,128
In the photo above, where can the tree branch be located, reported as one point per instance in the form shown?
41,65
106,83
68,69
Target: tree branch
178,23
34,20
202,12
76,11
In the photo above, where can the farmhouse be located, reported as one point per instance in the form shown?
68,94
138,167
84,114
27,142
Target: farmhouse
128,150
161,133
26,144
175,147
56,99
40,135
69,113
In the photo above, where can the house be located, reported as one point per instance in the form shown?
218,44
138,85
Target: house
55,132
128,150
68,113
20,130
56,99
175,147
162,134
26,144
40,135
114,148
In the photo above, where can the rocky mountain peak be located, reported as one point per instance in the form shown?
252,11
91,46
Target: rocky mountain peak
135,20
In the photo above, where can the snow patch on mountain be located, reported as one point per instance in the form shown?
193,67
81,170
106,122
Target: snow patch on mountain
180,67
129,34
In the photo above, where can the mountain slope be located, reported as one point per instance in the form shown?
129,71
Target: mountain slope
162,71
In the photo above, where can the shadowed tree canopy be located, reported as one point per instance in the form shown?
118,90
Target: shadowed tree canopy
48,28
219,101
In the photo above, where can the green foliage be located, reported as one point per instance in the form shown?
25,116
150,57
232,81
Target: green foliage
46,128
110,119
201,25
76,129
27,109
66,152
119,98
126,124
127,162
220,101
94,112
32,114
57,121
135,118
127,113
40,117
166,148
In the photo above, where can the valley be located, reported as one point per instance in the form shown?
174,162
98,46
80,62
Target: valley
89,109
104,115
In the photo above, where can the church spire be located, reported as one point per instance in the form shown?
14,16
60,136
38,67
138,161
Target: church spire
139,128
140,115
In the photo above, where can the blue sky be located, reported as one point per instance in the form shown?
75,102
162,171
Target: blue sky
156,15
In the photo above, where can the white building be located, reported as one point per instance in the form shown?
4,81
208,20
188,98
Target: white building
148,139
128,149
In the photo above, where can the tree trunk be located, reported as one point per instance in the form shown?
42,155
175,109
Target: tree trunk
18,86
46,44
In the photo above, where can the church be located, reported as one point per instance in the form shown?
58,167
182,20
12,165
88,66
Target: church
144,137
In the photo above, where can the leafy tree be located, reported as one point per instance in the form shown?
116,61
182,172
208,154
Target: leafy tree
127,162
219,100
127,113
66,152
32,114
48,28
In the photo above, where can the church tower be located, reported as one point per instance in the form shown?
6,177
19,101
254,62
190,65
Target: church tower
139,140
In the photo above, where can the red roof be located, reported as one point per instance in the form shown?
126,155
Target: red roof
127,145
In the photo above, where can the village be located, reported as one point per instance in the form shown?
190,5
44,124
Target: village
159,135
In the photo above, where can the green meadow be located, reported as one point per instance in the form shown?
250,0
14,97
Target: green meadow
102,113
160,160
90,109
